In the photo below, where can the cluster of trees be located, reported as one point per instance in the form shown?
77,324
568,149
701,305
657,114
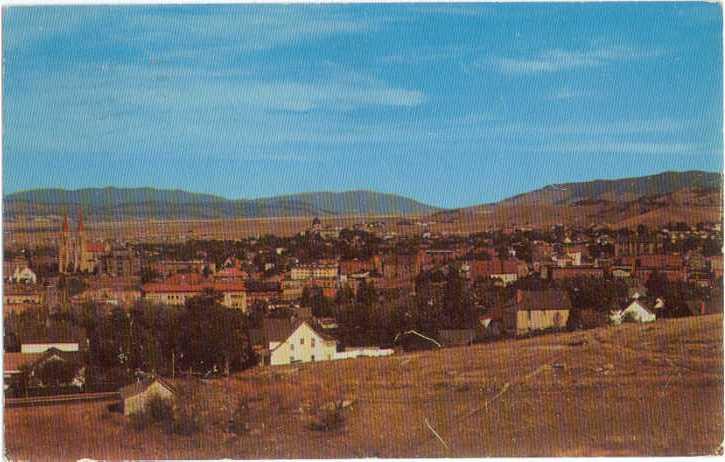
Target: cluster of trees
368,317
677,293
203,337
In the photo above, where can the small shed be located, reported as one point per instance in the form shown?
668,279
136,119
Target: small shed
135,397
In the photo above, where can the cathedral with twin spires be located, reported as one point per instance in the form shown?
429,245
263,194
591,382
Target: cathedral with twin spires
76,254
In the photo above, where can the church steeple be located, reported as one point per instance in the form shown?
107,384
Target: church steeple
66,228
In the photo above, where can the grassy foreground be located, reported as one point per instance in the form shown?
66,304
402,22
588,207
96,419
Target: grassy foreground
631,390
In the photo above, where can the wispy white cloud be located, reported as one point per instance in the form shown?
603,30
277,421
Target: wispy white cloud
556,60
168,108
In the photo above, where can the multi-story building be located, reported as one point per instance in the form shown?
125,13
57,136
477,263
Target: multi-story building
120,261
181,287
323,269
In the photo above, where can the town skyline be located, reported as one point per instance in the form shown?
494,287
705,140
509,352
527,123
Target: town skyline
446,105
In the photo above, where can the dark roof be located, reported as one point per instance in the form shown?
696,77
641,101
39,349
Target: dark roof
543,300
141,386
277,330
13,361
57,333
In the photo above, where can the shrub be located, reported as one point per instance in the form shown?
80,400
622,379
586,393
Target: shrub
140,420
185,421
328,417
159,409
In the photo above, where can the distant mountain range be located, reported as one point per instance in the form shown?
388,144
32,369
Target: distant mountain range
122,203
691,188
623,190
690,197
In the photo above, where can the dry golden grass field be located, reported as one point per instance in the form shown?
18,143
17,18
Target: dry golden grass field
630,390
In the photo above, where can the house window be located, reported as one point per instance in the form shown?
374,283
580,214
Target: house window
302,341
312,358
312,342
292,346
291,359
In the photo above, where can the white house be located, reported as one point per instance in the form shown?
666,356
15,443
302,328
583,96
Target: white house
25,276
506,278
638,311
297,342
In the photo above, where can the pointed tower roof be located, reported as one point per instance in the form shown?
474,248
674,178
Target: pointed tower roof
80,219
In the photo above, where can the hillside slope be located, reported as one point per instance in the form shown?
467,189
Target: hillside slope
632,390
690,197
622,190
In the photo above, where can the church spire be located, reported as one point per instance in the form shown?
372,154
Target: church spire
65,223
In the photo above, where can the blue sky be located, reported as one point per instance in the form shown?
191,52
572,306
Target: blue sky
451,104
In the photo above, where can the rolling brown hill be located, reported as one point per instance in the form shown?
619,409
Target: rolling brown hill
689,197
632,390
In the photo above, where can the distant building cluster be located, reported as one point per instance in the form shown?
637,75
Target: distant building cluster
518,280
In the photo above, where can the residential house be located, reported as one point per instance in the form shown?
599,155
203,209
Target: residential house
537,310
15,364
13,264
24,276
638,311
296,341
136,396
